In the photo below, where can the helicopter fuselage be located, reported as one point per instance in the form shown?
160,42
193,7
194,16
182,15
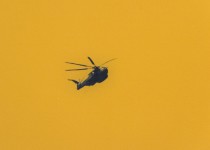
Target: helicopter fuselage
98,75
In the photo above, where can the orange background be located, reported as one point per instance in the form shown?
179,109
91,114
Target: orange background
157,94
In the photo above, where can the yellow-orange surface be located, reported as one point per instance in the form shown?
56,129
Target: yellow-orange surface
157,96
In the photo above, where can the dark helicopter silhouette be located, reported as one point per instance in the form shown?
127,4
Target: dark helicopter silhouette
97,75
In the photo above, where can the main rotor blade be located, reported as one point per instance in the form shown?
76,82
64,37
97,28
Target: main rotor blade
78,69
108,61
78,64
91,61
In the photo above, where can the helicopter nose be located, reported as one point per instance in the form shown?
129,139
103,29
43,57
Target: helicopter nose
105,70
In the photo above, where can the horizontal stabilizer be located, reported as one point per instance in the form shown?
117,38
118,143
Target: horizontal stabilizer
76,82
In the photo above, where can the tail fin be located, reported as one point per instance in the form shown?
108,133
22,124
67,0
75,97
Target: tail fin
76,82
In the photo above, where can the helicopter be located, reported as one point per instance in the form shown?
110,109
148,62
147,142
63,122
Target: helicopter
97,75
